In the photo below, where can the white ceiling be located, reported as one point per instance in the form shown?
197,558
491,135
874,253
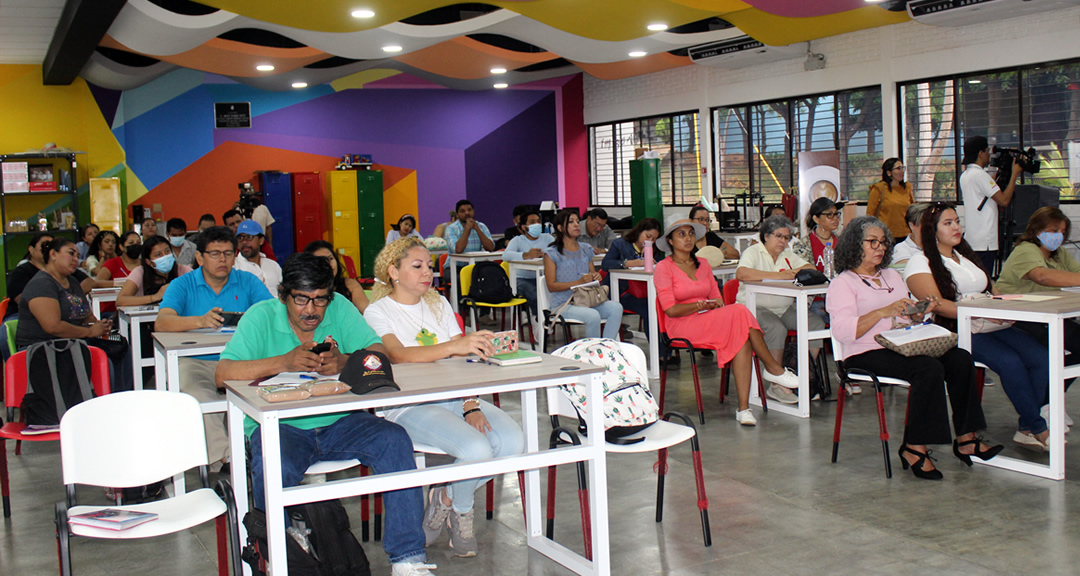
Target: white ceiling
26,28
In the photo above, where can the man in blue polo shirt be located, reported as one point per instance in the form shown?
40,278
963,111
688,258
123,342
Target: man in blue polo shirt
195,301
277,336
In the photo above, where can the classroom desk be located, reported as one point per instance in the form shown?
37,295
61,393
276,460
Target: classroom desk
740,240
131,318
654,328
169,347
451,378
464,259
802,296
100,295
1053,313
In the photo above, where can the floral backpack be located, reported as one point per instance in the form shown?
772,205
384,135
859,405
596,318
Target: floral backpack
629,407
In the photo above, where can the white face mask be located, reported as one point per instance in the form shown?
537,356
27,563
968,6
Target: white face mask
177,241
534,230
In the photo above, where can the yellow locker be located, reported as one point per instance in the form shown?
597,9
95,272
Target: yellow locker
343,190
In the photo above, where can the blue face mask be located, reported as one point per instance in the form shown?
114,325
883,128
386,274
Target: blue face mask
1051,240
165,263
177,241
534,230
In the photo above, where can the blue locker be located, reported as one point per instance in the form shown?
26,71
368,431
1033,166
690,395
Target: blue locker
277,194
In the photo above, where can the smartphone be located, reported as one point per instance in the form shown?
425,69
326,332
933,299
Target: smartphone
320,348
231,319
505,341
917,308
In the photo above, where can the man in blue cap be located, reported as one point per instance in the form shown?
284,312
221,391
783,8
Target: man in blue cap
249,240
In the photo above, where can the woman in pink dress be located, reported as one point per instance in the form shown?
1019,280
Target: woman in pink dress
691,300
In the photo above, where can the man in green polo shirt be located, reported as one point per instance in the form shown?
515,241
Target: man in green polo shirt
277,336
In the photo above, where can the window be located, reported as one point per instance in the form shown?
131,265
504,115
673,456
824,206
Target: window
757,146
1032,107
674,137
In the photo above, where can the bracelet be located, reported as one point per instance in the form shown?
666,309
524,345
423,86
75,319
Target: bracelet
467,412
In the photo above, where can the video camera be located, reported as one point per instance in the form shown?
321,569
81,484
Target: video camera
1002,159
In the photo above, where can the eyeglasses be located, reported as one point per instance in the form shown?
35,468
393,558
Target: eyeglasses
875,243
302,300
833,214
900,168
219,254
703,220
785,238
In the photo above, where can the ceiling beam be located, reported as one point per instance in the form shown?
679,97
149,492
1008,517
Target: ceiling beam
82,25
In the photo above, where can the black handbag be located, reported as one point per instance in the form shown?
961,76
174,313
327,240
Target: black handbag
810,277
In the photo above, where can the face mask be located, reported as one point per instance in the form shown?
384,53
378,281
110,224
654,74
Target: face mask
534,230
1051,240
177,241
133,251
165,263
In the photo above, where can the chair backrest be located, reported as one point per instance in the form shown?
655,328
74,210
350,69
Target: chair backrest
4,306
465,277
559,404
350,267
442,260
131,439
731,290
837,348
16,378
661,319
543,296
460,322
11,328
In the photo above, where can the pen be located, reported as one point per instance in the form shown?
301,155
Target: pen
790,267
307,377
476,361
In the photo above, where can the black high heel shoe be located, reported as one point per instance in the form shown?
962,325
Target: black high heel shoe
917,467
983,455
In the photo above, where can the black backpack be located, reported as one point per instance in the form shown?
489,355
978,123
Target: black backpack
332,548
818,386
58,377
490,284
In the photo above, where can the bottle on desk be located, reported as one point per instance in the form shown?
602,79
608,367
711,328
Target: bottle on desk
648,256
827,261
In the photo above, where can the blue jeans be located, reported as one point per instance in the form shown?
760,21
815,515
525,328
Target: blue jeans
610,312
526,288
383,446
440,424
1024,368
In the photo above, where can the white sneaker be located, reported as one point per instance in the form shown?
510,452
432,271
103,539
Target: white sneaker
745,417
1030,442
853,389
782,395
788,379
1045,413
411,569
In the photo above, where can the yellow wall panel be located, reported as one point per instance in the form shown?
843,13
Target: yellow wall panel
400,199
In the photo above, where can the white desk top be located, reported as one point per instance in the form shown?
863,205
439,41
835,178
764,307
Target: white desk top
193,339
1063,303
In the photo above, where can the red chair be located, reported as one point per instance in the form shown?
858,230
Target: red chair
15,380
350,267
686,344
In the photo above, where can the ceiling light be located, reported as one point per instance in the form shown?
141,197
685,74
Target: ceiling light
299,84
501,85
638,54
658,27
391,48
498,70
363,14
264,67
974,81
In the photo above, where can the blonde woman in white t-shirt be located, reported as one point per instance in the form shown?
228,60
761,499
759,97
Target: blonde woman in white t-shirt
416,324
948,269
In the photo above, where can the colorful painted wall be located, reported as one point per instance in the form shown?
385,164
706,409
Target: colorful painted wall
436,146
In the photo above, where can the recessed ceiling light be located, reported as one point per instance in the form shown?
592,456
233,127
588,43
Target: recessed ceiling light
363,14
658,27
638,54
391,48
264,67
974,81
498,70
501,85
299,84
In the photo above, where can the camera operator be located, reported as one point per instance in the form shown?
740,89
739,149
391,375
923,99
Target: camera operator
982,196
251,207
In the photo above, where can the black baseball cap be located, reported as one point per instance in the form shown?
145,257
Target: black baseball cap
368,371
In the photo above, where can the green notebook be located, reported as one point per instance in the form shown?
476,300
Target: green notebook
515,358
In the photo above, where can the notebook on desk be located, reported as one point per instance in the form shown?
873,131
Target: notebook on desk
515,358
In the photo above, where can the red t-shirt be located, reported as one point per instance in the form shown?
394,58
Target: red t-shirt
116,268
819,247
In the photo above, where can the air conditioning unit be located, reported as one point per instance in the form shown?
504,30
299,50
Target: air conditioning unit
966,12
743,51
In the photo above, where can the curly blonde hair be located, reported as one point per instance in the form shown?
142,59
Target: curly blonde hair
392,255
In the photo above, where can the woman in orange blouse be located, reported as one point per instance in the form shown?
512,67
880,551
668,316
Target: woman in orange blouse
890,198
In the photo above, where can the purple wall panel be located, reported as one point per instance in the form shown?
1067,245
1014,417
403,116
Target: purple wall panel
515,164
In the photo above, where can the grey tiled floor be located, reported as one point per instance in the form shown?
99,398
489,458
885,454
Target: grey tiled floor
777,506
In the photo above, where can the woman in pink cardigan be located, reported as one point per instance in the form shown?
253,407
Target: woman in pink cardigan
862,301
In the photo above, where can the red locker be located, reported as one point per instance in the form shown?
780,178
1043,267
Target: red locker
309,222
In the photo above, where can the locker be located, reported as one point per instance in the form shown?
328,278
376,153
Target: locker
278,197
309,209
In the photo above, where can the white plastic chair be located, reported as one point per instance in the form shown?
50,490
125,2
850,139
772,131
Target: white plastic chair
659,437
133,439
543,306
859,375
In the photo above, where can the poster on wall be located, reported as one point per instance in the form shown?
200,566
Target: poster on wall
232,114
819,176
